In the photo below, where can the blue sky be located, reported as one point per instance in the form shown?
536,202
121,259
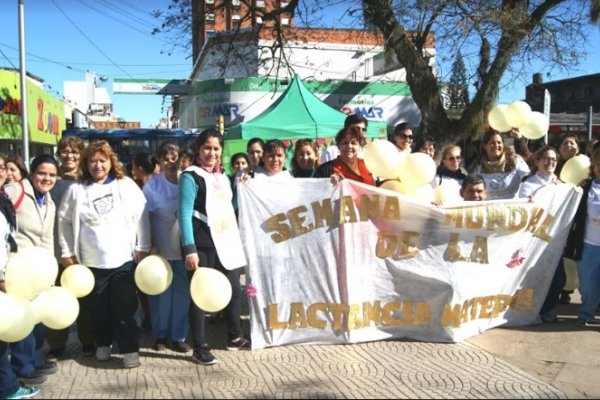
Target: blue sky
112,38
109,37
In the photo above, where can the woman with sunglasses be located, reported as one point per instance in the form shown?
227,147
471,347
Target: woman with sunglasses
449,176
402,137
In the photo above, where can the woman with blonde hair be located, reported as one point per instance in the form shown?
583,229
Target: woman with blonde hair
100,227
306,158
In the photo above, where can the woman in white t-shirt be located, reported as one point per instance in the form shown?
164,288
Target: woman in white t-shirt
583,245
500,167
100,226
169,311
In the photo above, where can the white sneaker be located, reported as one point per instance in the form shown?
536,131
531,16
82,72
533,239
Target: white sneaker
131,360
103,353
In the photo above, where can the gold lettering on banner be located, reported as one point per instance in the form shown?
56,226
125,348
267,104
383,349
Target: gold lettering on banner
297,316
534,219
479,253
274,323
486,307
369,208
401,245
313,320
347,210
453,251
297,221
354,320
323,213
518,219
542,231
282,231
475,218
346,317
372,313
391,209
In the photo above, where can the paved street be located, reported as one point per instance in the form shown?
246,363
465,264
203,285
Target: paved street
387,369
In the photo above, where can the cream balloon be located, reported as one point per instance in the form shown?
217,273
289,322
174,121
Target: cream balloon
441,194
210,289
423,193
78,279
17,318
576,169
536,127
153,275
62,309
30,271
417,170
40,307
497,118
517,114
396,186
381,158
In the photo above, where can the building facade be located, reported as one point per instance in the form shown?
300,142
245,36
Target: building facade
241,67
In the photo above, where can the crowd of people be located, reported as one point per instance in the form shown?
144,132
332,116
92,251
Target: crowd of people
88,208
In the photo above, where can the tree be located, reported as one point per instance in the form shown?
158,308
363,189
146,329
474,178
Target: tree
496,37
458,87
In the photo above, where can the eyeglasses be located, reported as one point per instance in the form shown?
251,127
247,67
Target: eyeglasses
549,159
405,136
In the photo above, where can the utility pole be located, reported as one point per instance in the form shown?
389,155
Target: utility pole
23,73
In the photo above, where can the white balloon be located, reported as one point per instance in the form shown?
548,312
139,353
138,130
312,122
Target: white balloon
517,114
17,319
30,271
210,289
381,158
62,309
417,170
536,127
576,169
153,275
497,118
78,279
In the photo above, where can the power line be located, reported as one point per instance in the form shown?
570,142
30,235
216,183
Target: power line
90,40
8,59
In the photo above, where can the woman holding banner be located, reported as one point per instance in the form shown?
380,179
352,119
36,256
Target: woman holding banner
210,237
347,165
500,167
542,175
583,245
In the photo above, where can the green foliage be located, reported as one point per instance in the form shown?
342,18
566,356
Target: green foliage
458,87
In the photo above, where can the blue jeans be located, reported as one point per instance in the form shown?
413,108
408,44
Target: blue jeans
9,383
28,354
588,269
113,303
169,311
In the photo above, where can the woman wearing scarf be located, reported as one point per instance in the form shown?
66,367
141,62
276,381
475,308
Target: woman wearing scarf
500,167
449,176
347,165
210,237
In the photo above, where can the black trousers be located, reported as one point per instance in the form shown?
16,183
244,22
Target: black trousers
113,303
209,258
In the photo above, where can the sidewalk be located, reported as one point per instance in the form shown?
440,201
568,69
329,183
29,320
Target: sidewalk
562,354
501,363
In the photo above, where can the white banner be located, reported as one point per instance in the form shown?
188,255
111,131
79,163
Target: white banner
353,263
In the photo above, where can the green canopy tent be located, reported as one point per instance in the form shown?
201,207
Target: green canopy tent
298,114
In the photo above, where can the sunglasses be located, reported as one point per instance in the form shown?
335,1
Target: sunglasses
457,158
405,136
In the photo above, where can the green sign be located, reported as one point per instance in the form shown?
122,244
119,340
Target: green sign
45,114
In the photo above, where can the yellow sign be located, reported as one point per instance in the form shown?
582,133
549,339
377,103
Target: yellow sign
45,114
